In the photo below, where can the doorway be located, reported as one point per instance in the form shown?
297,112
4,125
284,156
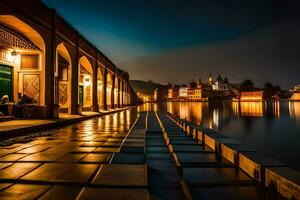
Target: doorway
6,81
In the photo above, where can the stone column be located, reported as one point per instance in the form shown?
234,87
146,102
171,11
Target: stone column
95,86
52,111
119,89
104,85
122,94
74,79
113,91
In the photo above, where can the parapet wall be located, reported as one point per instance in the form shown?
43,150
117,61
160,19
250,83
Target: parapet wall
271,173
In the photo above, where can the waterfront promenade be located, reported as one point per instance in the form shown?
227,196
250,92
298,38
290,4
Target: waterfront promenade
121,156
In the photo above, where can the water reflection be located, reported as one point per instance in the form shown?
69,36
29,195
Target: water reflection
271,127
253,109
294,109
218,115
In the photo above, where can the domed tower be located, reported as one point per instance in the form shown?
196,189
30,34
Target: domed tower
210,80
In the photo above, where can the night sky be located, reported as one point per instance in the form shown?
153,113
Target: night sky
179,40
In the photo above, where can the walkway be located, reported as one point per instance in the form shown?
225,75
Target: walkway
18,127
102,159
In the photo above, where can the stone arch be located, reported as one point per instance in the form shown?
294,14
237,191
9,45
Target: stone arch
23,49
63,78
85,84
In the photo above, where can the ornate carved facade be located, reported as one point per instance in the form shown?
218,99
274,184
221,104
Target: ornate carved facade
12,39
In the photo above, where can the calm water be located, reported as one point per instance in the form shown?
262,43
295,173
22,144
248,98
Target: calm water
270,127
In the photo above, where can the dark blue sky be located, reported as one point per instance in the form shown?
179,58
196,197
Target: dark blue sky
130,30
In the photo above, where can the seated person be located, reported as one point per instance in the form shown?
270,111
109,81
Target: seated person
4,105
4,100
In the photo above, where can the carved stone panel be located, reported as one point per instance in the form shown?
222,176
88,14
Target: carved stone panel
63,93
11,38
31,86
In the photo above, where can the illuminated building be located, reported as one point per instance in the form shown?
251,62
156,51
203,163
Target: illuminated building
183,92
173,93
160,95
55,66
296,96
194,94
252,96
220,83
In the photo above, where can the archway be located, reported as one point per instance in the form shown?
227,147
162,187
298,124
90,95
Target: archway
22,60
85,84
63,79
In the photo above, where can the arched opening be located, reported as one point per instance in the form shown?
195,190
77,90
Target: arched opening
116,91
85,84
108,90
63,79
22,61
100,88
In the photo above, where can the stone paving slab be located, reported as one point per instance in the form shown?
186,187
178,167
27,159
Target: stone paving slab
23,191
215,176
97,158
61,192
159,156
47,172
122,175
106,150
157,149
202,160
17,170
42,157
132,149
13,157
188,148
115,193
229,193
129,158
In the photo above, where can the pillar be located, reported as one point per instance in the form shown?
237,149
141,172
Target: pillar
119,89
74,79
113,91
121,94
95,107
52,111
104,85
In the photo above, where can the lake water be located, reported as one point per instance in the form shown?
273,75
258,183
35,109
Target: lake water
271,127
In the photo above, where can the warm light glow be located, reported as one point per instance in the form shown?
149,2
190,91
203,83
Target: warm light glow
87,81
13,56
254,109
295,97
294,109
251,96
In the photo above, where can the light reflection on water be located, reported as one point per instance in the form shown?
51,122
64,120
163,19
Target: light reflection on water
271,127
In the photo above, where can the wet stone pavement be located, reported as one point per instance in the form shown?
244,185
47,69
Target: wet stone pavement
126,155
77,161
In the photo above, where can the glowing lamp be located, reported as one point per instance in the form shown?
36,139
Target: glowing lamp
13,55
86,81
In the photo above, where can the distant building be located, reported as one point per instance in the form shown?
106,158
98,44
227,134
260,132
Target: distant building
173,92
296,96
297,88
183,92
206,91
220,83
195,92
160,95
252,96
